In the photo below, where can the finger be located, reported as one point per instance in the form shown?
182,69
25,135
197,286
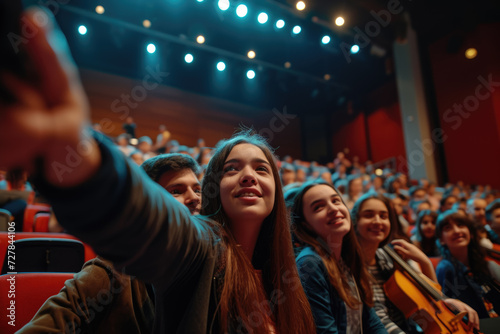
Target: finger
23,93
50,55
474,318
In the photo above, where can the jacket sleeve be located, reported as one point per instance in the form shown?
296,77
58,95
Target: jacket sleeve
316,287
132,221
371,322
81,303
446,276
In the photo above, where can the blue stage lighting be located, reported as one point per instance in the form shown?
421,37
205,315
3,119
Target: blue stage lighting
262,18
280,24
82,30
221,66
326,39
223,5
188,58
354,49
250,74
241,10
296,30
151,48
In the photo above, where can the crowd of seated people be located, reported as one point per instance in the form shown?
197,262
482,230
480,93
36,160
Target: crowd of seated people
232,269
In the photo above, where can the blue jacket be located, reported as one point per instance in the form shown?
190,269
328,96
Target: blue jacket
328,308
456,283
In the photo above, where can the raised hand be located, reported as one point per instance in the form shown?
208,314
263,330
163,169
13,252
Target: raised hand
50,114
409,251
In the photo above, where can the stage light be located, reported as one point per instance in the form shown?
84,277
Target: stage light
327,77
280,24
296,30
188,58
250,74
339,21
82,30
146,23
300,5
287,64
354,49
223,5
151,48
199,0
251,54
241,10
379,172
221,66
262,18
99,10
326,39
200,39
470,53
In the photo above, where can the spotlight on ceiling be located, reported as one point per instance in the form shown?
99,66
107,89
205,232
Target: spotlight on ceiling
262,18
241,10
223,5
151,48
82,30
221,66
188,58
250,74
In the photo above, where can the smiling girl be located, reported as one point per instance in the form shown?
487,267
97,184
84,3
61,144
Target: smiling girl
375,222
425,233
331,266
464,273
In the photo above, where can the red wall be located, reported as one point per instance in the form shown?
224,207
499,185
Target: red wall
381,132
349,133
472,138
386,133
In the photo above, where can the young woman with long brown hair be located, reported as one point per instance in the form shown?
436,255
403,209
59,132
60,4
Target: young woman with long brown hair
106,201
375,222
331,265
464,272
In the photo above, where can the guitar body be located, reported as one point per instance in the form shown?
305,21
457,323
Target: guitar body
432,316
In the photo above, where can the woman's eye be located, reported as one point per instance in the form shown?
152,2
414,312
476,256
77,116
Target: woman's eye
262,168
229,169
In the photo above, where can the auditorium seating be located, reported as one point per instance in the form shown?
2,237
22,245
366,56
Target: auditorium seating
29,215
4,241
31,291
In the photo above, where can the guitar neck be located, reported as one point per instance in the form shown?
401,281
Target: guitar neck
431,291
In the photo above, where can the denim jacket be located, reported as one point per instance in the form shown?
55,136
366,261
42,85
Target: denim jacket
456,283
328,309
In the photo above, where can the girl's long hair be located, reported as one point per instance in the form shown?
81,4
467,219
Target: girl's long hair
351,253
428,246
476,253
243,299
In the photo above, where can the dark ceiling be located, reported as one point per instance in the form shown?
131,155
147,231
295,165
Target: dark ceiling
116,42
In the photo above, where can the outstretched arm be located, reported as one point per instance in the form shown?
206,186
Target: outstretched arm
49,116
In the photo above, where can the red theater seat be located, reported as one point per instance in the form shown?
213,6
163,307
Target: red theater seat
4,242
31,291
29,215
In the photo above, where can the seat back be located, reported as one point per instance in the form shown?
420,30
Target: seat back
5,217
45,255
5,238
29,215
41,223
31,291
